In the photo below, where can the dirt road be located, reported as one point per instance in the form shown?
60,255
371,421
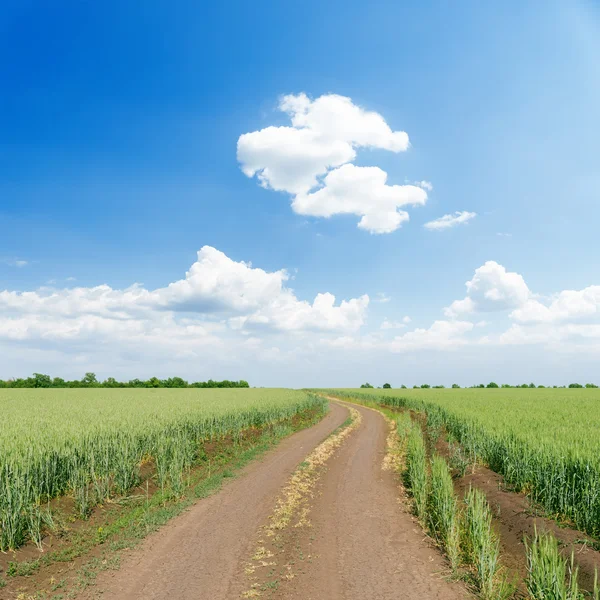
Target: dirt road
360,542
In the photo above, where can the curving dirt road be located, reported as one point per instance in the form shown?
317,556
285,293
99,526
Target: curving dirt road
360,543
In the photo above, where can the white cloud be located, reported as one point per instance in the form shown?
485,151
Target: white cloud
491,288
426,185
452,220
382,298
361,191
15,262
568,305
310,160
442,335
406,319
214,287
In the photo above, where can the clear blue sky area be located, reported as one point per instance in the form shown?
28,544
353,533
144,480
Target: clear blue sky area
119,124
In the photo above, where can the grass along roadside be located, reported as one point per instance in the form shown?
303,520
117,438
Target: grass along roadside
465,536
98,544
543,442
94,445
292,510
463,529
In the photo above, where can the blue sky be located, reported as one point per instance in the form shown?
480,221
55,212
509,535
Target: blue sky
118,162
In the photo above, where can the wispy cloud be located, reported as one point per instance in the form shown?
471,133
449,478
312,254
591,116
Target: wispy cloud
452,220
15,262
382,298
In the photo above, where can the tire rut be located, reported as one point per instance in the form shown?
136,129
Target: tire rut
198,554
361,542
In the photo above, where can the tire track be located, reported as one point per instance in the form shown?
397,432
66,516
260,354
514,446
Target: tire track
196,556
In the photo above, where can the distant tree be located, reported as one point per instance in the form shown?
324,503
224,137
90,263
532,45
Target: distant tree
153,382
387,386
415,387
492,384
425,386
402,387
575,385
41,381
366,385
591,385
455,386
532,385
89,379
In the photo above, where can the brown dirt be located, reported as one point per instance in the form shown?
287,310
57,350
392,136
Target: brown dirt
62,548
196,555
515,518
361,541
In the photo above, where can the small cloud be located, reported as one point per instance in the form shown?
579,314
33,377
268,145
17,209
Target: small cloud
504,234
15,262
382,298
424,185
452,220
51,282
71,279
406,320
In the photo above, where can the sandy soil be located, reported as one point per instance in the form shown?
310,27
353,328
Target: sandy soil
361,542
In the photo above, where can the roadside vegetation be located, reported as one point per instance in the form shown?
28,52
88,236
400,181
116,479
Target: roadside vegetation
545,444
479,430
97,445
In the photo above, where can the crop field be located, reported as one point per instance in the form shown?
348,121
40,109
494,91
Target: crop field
544,442
91,443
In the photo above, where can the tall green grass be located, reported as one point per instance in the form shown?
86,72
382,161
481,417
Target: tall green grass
92,443
466,536
416,470
544,442
443,515
550,576
481,545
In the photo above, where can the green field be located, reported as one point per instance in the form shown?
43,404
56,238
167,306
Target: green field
91,443
544,441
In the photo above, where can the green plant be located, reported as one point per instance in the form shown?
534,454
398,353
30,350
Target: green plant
549,575
91,443
443,510
416,470
543,442
482,547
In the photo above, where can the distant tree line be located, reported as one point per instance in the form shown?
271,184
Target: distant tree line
492,384
89,380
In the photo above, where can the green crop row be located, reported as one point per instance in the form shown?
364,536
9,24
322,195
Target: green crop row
92,443
544,442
